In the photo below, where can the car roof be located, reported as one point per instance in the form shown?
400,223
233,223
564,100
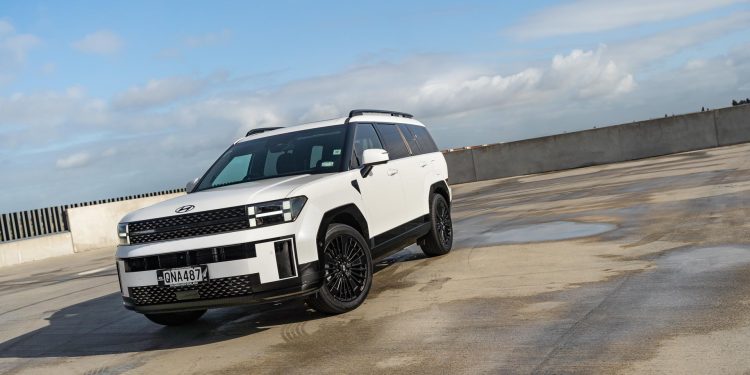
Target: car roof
381,118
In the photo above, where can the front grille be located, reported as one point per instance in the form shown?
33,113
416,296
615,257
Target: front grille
190,258
189,225
226,287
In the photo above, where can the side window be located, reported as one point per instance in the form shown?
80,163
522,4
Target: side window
316,155
236,170
392,141
426,144
365,138
410,139
272,159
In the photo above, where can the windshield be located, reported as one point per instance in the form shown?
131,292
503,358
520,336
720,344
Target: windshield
313,151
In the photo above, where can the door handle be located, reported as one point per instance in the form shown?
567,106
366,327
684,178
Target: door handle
391,172
424,164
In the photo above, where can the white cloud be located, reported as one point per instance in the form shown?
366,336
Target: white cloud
321,111
591,74
47,111
73,161
447,94
588,16
14,48
158,92
667,43
102,42
425,85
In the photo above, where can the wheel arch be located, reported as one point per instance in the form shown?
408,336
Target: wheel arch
348,214
440,187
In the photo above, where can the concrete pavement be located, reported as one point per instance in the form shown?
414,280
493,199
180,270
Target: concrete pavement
637,267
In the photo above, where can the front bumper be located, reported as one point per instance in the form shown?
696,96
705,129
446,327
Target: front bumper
266,272
259,294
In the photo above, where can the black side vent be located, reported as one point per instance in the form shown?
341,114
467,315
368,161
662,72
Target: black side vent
285,262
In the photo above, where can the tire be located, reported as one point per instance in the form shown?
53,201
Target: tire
177,318
439,240
348,278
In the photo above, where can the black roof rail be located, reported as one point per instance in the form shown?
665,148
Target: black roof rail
360,112
261,130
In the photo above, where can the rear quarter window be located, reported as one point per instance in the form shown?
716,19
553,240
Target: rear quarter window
423,138
410,139
392,141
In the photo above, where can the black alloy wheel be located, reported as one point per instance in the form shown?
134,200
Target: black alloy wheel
345,267
347,264
443,223
439,240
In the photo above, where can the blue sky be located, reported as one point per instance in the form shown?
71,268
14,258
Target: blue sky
129,97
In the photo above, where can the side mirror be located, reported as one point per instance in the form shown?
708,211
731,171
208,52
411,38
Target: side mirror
372,157
191,185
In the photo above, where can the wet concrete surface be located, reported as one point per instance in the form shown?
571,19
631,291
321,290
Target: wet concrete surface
638,267
552,231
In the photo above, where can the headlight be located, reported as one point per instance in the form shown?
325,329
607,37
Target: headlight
122,234
275,212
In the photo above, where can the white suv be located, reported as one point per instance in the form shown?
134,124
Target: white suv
289,212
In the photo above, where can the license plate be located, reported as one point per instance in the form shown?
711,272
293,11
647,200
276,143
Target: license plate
182,276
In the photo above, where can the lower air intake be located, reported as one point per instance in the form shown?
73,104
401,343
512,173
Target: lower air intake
227,287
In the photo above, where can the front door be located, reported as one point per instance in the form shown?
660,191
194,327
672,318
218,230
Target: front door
382,193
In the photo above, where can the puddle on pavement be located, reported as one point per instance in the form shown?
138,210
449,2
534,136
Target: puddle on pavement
705,259
552,231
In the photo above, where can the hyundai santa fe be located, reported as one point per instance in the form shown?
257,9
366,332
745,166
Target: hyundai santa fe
291,212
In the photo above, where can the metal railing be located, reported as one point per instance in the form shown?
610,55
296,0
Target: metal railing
50,220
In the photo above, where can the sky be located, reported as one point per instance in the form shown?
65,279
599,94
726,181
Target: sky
100,100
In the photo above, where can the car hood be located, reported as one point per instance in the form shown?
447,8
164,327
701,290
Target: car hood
226,196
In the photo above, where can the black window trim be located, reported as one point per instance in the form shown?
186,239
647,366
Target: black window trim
352,130
432,145
403,138
350,141
408,149
413,137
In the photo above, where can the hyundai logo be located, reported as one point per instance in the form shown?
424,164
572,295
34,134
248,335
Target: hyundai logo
184,209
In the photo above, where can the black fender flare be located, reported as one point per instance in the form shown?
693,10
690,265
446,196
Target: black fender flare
440,187
349,212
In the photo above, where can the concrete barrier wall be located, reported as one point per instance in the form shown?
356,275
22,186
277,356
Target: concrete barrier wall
611,144
27,250
95,227
733,125
460,165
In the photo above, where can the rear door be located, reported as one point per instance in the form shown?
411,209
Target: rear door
401,165
418,175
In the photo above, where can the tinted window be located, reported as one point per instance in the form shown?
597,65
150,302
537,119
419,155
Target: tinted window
316,156
426,144
236,169
392,141
410,139
310,151
364,138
